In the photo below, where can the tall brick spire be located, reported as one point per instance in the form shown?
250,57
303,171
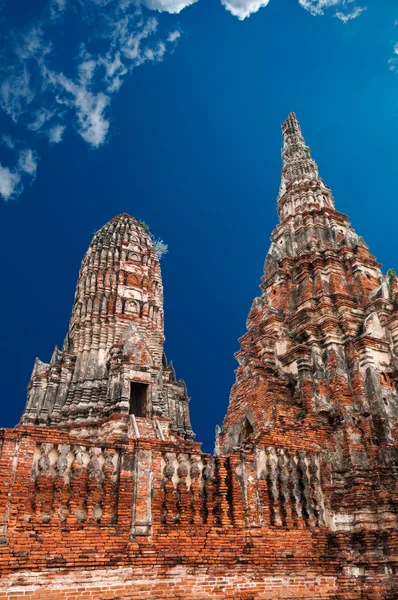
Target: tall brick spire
318,364
112,362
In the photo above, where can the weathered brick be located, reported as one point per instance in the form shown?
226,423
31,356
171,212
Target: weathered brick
300,500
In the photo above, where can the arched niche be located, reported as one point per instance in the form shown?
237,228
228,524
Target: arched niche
246,431
132,307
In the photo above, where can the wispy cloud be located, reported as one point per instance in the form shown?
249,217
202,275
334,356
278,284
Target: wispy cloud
27,162
356,12
8,142
40,118
317,7
81,101
345,9
12,179
88,107
9,183
56,133
57,7
118,37
393,62
173,36
16,93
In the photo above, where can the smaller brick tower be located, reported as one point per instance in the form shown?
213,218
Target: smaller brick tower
111,376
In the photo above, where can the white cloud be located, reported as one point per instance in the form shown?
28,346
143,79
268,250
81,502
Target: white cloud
56,133
11,179
393,61
9,183
57,7
170,6
90,111
347,11
174,36
17,89
27,162
40,117
244,8
316,7
156,53
345,17
8,142
31,44
88,107
87,70
15,92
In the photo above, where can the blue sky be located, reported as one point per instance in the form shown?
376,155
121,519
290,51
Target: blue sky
171,112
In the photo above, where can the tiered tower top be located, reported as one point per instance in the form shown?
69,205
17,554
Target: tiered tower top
301,187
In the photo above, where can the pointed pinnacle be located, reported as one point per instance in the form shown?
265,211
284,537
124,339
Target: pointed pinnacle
295,152
291,125
299,173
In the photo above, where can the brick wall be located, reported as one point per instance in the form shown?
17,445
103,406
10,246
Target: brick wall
146,519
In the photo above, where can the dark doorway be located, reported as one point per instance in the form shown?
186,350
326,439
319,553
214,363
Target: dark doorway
138,399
